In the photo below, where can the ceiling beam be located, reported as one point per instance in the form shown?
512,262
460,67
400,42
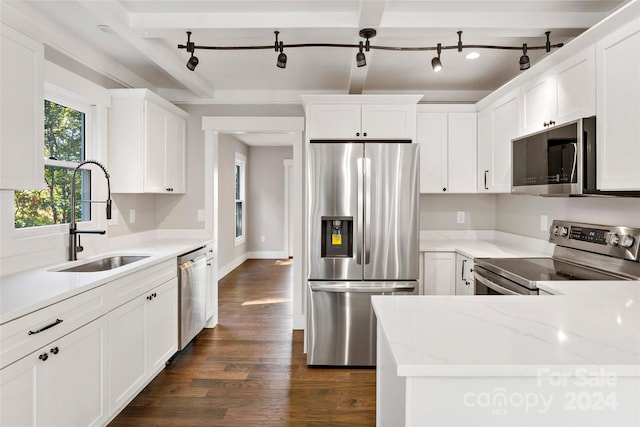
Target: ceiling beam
117,17
371,13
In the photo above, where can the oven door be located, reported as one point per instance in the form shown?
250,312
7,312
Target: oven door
488,283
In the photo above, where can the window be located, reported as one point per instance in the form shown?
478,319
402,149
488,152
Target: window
64,148
239,197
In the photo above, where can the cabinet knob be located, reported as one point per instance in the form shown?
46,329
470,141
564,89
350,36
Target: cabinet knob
54,350
546,124
444,188
149,298
154,295
209,264
357,133
43,356
364,134
551,123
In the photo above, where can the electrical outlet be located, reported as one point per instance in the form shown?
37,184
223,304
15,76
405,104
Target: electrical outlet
200,215
132,216
262,238
544,223
461,215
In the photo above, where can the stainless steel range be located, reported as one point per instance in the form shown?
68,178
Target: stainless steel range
582,252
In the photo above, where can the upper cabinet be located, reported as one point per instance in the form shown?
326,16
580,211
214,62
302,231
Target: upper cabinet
147,143
448,152
498,124
22,112
564,93
618,109
361,116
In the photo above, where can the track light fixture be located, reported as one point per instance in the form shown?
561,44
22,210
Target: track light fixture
192,63
367,33
524,59
435,62
282,58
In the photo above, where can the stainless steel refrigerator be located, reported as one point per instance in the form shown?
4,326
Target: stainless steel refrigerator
363,241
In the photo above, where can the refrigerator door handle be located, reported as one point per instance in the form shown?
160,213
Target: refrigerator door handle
367,210
362,289
360,209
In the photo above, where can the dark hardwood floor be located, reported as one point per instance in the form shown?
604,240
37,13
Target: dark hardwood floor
251,370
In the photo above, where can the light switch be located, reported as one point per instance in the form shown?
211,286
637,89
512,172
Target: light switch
132,216
461,216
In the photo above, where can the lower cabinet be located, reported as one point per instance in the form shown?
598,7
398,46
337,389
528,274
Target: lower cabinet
439,273
61,384
211,308
143,335
464,275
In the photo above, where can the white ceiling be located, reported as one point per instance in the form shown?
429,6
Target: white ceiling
140,46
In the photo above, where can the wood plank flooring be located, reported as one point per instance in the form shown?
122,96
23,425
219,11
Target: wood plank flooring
250,370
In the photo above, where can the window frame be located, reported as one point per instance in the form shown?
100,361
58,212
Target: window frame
241,164
76,102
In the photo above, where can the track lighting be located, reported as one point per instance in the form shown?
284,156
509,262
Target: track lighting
361,60
435,62
524,59
282,58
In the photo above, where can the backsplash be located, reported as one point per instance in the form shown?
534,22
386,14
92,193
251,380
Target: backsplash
440,212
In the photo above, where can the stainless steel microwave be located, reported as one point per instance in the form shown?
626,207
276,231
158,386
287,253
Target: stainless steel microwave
552,162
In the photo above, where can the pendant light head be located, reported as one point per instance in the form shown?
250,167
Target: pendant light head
361,60
524,59
192,63
436,64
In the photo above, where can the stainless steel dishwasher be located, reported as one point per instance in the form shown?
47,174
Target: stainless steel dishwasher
192,276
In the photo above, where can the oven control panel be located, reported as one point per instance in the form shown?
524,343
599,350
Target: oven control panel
616,241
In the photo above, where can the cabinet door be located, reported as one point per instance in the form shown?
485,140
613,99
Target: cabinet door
333,121
439,273
618,109
464,275
162,324
154,140
22,392
389,121
462,145
22,112
539,104
576,86
75,378
505,125
175,145
431,130
127,356
212,292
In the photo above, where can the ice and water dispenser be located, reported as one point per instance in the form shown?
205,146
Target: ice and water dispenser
337,237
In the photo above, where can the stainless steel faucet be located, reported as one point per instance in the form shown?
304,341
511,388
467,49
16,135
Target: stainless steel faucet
74,246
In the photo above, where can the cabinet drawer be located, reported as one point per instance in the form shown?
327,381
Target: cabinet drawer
126,288
28,333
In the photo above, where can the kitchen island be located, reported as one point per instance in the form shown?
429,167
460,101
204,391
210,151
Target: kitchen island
570,360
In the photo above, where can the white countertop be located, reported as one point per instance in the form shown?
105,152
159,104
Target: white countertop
31,290
515,335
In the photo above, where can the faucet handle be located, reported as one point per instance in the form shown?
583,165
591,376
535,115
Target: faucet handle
79,248
108,208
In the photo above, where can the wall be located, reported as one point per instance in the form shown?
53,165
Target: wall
521,214
439,212
230,255
265,200
145,214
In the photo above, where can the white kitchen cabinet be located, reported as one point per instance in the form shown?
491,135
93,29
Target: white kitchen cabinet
22,111
618,109
211,307
498,124
564,93
448,152
465,284
61,384
143,336
355,121
147,143
439,273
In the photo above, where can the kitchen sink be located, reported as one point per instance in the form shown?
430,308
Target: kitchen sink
103,264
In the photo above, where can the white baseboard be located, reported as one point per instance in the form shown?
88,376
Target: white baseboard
267,255
226,269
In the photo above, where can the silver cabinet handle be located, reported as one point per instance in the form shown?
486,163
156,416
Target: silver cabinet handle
485,179
464,263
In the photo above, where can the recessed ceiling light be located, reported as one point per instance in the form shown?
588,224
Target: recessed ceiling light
473,55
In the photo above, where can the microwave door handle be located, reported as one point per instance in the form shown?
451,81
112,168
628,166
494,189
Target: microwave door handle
575,160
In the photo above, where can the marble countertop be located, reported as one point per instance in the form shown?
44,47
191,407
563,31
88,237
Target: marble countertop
28,291
593,325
